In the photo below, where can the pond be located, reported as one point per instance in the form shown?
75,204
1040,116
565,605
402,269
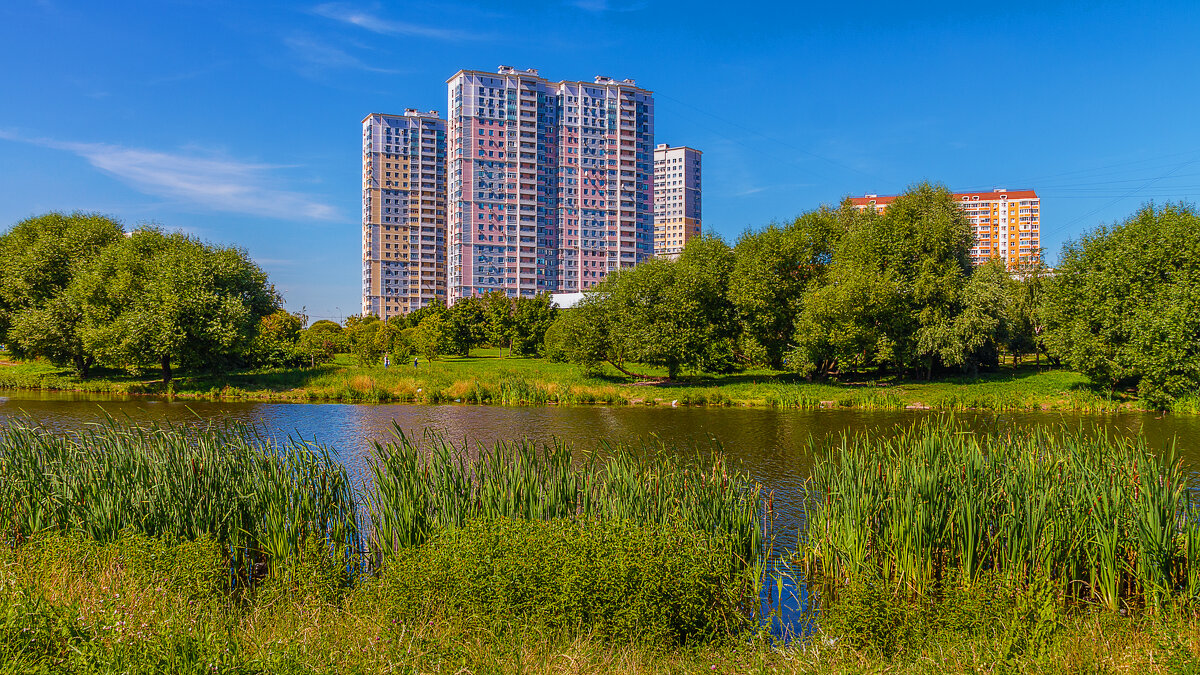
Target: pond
771,445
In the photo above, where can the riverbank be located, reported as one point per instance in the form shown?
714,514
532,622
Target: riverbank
484,378
161,550
61,617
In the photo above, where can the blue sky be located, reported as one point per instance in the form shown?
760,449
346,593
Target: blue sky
239,121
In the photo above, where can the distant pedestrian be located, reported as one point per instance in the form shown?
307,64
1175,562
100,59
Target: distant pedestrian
387,361
414,362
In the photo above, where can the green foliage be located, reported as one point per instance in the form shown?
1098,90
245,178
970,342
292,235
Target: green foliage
195,568
276,342
532,318
669,313
422,487
432,337
467,325
40,258
155,299
1124,304
366,337
895,292
256,497
498,314
772,270
612,579
1102,519
320,342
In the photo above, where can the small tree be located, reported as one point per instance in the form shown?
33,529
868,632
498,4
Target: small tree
431,336
531,318
498,311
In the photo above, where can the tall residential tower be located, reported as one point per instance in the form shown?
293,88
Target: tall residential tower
403,212
550,183
1006,223
676,198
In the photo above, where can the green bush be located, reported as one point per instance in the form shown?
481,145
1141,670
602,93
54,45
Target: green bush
614,580
195,568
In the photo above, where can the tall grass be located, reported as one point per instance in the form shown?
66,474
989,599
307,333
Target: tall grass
423,485
1102,518
258,497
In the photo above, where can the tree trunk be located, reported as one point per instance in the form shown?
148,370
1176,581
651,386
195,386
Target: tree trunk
629,374
166,369
83,364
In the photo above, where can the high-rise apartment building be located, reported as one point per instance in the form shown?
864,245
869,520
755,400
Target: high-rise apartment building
1006,223
676,198
549,183
403,212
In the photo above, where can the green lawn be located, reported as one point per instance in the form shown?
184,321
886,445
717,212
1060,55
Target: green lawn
484,377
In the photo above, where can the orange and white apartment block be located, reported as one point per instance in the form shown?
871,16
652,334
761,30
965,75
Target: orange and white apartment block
1006,223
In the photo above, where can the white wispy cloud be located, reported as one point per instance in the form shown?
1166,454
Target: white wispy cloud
600,6
212,182
320,55
356,16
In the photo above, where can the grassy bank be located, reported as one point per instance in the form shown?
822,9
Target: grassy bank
70,606
485,378
509,558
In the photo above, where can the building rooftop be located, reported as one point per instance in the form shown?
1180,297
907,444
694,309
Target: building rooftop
993,194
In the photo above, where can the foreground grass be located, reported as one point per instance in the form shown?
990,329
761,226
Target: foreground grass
485,378
84,609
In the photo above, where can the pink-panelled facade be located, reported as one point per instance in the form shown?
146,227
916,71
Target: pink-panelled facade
549,184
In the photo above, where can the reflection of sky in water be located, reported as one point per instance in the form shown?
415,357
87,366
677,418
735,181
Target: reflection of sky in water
769,444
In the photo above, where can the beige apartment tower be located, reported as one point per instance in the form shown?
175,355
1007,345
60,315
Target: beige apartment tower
676,198
403,212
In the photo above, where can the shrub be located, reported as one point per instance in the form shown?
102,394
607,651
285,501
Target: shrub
611,579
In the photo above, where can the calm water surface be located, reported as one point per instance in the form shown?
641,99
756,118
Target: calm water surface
771,445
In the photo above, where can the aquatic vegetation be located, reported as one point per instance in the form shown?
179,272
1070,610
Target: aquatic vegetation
1101,518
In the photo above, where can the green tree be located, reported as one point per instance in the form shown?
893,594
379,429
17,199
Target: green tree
158,298
432,336
532,317
498,312
364,340
277,338
1124,305
320,342
893,291
772,269
1026,296
674,314
39,259
467,324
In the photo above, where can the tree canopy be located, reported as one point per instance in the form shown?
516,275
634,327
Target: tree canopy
1124,304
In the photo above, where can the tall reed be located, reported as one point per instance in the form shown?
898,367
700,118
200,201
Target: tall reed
422,485
1104,518
258,497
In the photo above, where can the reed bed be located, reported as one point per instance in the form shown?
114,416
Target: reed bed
1102,519
426,484
260,498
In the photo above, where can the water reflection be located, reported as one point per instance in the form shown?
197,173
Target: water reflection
771,445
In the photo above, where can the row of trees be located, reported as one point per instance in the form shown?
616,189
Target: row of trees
835,291
516,324
843,290
78,290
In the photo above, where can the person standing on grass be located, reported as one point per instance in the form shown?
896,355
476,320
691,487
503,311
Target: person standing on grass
414,362
387,361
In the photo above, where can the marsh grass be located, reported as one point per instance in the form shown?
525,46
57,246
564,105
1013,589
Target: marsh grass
428,484
259,498
1102,519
